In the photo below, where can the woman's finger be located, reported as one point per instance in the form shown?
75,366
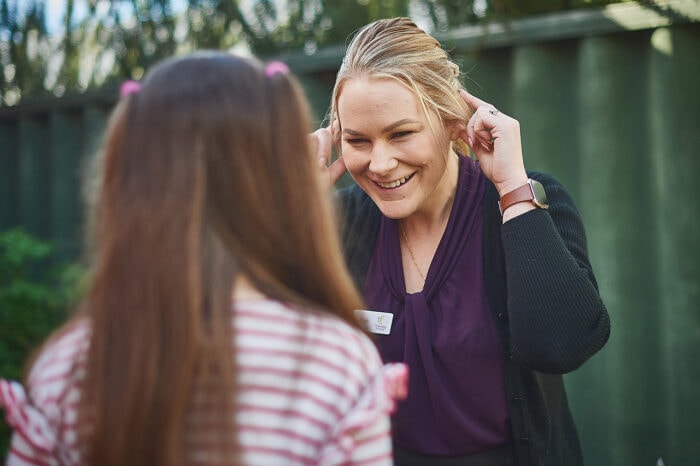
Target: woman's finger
321,144
473,101
336,170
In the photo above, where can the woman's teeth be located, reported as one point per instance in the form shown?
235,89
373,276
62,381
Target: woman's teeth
395,183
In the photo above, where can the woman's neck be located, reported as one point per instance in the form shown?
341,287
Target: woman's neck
421,233
432,219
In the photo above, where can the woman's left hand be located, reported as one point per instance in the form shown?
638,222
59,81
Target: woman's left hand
321,145
494,137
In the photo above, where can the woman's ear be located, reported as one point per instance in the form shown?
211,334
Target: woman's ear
455,129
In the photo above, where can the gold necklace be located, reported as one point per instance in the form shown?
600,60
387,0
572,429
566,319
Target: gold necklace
410,251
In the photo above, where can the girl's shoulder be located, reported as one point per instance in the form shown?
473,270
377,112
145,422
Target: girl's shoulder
325,337
59,363
62,347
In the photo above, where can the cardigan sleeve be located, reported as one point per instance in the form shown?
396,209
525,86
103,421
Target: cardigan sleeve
557,319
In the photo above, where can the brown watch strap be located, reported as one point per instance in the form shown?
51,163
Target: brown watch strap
521,194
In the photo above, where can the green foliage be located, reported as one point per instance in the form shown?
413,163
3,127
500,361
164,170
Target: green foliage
34,299
446,14
22,57
119,39
307,25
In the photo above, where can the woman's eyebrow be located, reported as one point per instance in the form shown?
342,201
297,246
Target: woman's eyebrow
388,128
398,123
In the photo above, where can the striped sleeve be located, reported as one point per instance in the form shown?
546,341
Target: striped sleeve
363,437
38,415
33,438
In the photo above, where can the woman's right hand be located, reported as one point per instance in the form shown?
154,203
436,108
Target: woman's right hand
321,143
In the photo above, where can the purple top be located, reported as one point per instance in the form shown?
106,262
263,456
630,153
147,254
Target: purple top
456,401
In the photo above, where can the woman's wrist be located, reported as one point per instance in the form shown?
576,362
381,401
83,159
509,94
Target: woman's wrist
511,184
516,210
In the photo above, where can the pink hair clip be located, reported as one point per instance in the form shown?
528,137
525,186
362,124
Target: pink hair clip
129,87
275,67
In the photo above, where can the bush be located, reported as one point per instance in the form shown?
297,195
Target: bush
35,295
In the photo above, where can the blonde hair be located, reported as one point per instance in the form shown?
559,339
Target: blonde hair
398,49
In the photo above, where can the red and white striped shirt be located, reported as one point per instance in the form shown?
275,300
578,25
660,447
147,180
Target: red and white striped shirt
312,391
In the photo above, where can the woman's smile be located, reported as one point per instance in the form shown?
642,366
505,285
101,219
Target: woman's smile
394,184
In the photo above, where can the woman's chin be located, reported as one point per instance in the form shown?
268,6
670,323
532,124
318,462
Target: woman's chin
395,209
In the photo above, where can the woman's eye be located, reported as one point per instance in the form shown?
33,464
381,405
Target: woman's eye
355,141
401,134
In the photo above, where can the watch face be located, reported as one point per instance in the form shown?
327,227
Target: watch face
540,199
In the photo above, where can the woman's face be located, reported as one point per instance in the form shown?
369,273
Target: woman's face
390,151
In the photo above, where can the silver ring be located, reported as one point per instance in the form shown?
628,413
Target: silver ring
494,111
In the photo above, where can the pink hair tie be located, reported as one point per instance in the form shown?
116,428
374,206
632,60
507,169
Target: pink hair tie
275,67
129,87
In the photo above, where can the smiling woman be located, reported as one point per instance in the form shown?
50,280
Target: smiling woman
462,282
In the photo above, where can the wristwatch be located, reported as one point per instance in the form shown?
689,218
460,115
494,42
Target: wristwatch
531,191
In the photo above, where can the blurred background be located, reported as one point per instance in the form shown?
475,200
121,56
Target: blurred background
607,94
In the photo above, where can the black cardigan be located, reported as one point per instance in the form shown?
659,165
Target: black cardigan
545,303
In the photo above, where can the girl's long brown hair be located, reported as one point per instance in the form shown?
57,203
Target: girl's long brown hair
206,172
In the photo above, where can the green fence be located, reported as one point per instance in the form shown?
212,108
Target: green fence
45,147
609,102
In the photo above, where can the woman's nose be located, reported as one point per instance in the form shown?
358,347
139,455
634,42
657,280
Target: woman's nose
382,161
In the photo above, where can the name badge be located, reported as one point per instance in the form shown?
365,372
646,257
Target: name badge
375,322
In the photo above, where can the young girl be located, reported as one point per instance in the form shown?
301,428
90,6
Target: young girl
218,326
